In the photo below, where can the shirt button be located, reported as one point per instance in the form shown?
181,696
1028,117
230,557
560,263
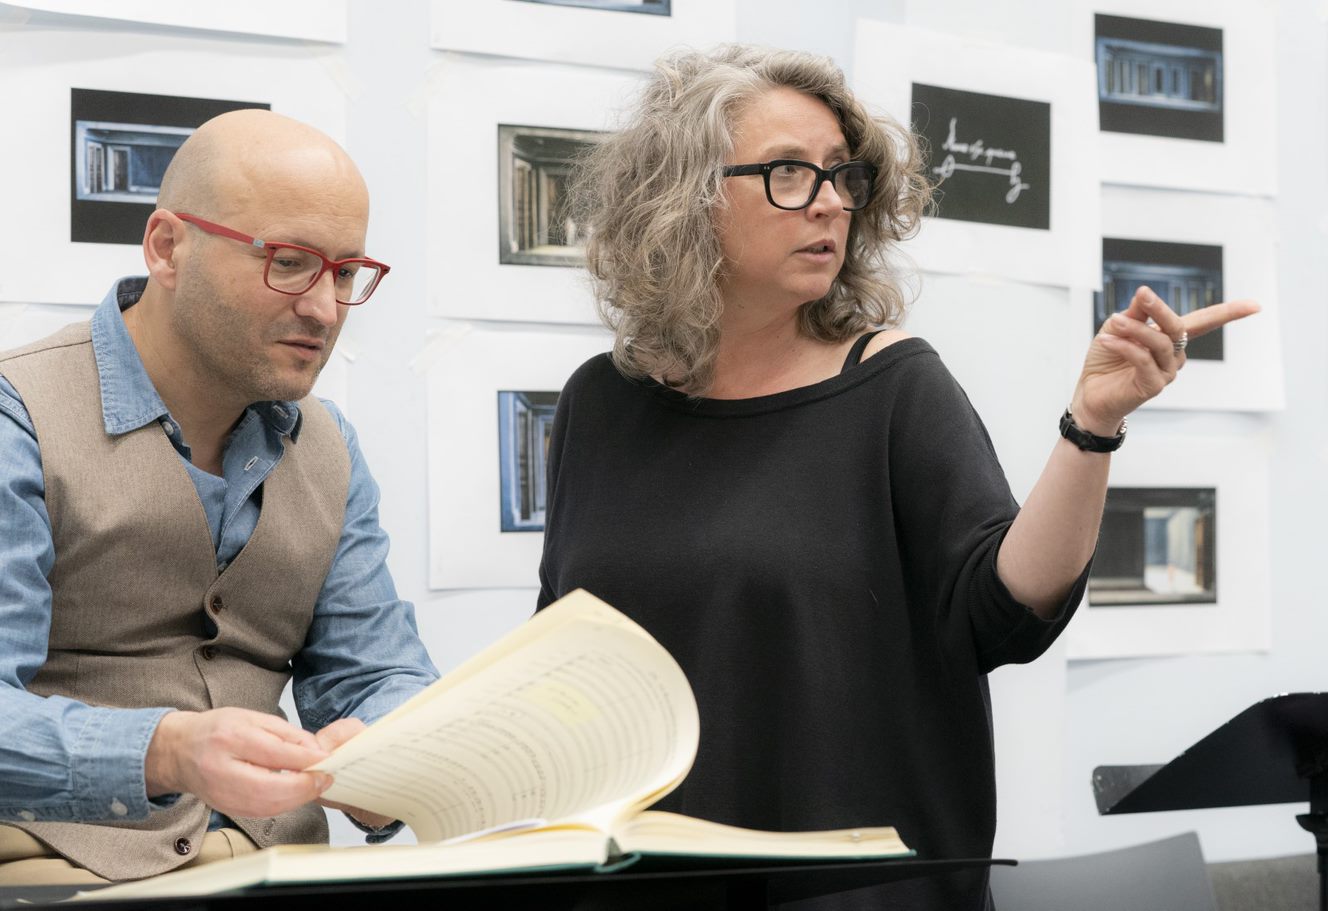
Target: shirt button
168,427
208,652
183,846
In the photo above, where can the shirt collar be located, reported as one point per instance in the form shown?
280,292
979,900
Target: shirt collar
128,398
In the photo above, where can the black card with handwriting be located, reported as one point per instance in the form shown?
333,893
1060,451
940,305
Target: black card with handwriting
989,155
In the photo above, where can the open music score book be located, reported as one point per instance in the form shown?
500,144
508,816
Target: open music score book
541,752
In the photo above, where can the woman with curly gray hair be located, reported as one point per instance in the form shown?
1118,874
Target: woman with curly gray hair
801,506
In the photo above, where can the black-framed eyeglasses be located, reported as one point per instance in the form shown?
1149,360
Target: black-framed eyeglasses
294,269
792,184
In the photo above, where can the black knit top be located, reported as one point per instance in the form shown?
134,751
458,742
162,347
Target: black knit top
822,564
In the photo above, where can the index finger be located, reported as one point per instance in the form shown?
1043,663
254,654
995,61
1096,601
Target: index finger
1206,319
288,733
279,746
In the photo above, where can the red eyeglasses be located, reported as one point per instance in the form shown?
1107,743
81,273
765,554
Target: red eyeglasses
293,269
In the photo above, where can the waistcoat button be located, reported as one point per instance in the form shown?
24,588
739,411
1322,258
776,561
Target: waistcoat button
208,652
217,606
182,846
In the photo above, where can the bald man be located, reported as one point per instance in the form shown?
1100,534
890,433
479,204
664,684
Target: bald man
183,529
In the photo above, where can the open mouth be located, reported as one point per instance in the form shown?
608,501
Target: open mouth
824,247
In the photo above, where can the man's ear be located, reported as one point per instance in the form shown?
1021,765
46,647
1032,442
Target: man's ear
162,240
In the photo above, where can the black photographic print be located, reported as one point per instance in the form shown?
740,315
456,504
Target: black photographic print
653,7
1159,78
989,155
1157,546
120,145
1186,276
525,423
535,224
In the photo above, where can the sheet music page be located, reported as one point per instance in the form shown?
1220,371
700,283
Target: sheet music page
577,723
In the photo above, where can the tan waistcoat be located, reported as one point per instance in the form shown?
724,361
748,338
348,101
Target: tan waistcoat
135,570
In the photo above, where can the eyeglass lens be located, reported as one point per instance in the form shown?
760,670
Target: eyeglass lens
295,271
792,185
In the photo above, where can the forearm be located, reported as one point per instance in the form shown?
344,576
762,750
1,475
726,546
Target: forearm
1056,531
66,761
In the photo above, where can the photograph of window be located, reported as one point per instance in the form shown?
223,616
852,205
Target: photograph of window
1159,78
122,162
989,155
1157,546
525,422
654,7
121,145
1186,276
534,168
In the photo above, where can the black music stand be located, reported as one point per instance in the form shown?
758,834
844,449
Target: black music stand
1276,751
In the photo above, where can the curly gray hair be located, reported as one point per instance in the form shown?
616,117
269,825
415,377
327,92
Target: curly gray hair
648,194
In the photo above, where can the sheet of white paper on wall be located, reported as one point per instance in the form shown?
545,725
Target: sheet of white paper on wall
620,34
1042,26
473,212
308,20
492,391
896,65
1229,538
1212,62
1148,235
43,66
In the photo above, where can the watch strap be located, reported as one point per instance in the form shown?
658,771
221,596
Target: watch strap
1090,442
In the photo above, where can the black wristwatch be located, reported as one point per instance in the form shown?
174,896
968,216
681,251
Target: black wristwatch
1090,442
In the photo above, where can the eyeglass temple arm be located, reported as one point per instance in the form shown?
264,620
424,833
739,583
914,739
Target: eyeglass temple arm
214,228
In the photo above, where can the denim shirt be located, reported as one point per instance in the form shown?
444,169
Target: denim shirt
62,760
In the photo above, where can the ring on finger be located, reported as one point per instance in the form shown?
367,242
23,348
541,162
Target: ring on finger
1178,345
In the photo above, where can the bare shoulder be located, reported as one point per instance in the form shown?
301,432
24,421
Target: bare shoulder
883,340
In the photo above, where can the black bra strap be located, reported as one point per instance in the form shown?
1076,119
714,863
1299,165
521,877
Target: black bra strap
855,353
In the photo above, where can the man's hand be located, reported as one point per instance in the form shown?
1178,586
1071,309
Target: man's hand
331,737
240,763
